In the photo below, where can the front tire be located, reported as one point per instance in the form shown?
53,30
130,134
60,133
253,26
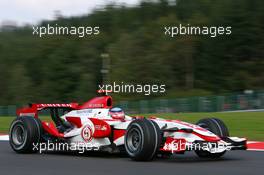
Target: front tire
217,127
24,133
142,139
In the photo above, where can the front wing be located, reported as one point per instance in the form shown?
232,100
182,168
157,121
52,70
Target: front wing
180,145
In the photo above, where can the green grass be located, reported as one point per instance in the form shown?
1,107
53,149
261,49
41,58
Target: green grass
241,124
5,122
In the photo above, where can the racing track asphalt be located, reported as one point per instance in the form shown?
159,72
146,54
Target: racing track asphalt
235,163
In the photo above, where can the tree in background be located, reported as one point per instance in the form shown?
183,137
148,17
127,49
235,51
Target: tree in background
64,68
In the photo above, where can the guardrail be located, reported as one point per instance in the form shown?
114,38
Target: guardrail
196,104
233,102
9,110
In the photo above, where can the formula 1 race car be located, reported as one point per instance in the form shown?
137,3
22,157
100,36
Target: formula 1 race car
106,128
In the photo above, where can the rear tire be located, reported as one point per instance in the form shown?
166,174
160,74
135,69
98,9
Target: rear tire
217,127
142,139
24,133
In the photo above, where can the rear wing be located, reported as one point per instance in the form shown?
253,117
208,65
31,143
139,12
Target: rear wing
32,109
97,102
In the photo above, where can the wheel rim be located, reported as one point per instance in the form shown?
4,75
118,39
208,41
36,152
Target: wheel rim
134,140
18,135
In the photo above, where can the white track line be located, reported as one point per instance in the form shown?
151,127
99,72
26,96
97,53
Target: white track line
248,142
255,150
246,110
4,137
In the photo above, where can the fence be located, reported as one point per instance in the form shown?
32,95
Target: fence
9,110
197,104
191,104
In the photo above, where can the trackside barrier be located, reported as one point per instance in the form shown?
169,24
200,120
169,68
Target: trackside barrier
9,110
233,102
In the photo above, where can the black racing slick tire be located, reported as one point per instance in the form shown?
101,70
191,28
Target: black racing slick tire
25,134
214,125
142,139
217,127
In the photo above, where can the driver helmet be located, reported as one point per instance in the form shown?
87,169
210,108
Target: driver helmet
117,113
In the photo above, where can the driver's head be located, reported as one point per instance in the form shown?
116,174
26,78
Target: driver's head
117,113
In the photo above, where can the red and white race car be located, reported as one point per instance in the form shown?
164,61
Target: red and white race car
104,128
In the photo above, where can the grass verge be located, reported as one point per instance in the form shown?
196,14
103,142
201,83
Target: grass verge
241,124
